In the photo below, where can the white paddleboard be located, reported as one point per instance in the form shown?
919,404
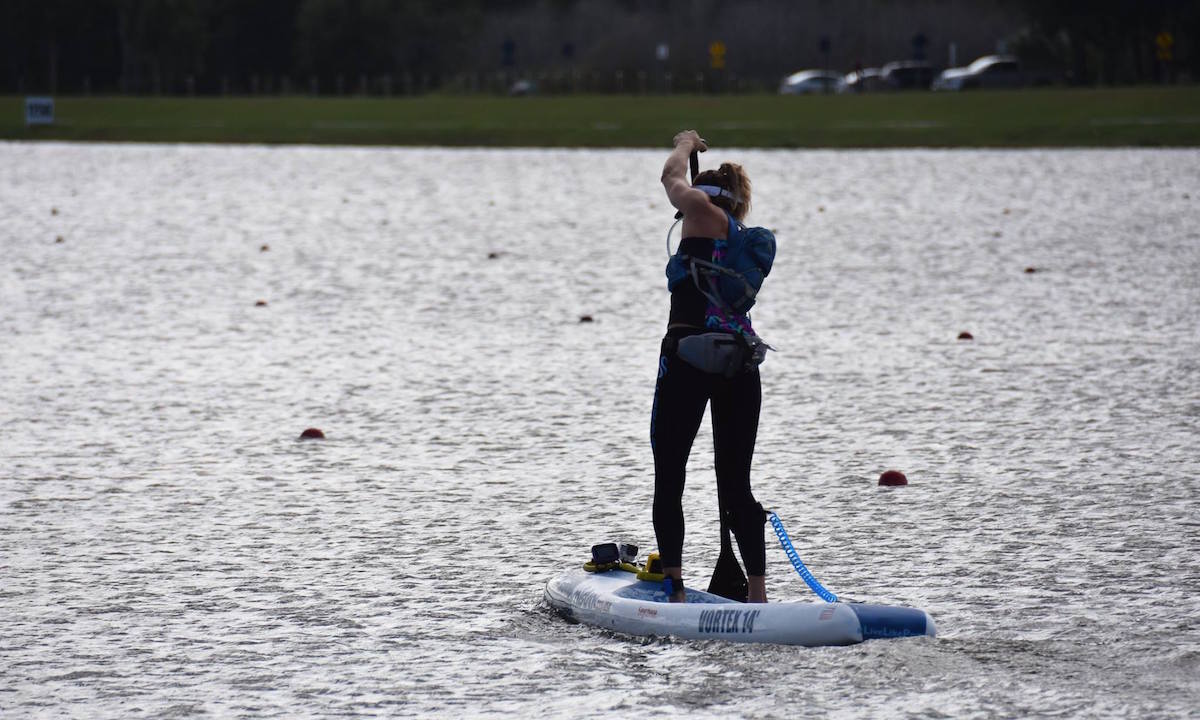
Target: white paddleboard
616,600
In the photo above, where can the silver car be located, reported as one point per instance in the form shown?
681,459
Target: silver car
808,82
989,71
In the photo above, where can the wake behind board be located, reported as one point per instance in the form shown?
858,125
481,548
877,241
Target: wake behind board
616,600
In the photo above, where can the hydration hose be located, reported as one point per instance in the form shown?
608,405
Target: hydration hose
786,543
671,252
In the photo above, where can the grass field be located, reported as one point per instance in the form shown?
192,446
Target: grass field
1144,116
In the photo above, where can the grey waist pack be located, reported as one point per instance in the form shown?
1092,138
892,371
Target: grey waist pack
721,353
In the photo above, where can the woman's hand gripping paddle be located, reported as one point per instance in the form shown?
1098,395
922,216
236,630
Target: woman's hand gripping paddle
728,579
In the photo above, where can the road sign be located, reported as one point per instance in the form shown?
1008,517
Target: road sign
39,111
1166,44
716,55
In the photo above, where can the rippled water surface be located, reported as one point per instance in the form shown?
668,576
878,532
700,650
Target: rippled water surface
169,547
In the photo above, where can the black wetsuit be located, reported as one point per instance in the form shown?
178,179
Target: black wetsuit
680,396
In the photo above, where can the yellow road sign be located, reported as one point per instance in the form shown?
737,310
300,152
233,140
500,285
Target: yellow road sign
716,55
1165,42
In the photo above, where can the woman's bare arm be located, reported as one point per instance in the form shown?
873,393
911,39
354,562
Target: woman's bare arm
700,217
674,174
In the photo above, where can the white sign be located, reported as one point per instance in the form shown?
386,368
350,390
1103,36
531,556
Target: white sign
39,111
662,52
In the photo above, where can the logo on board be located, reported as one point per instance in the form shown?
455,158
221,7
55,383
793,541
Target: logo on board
727,622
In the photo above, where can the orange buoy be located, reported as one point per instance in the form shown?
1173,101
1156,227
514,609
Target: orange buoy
260,303
312,434
892,478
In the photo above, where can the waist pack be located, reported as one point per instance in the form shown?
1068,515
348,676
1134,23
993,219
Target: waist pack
719,353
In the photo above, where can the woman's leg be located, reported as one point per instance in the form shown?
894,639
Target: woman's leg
735,408
679,399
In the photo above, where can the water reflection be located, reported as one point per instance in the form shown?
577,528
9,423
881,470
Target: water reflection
168,541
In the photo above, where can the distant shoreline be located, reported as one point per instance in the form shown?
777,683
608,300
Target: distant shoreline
1150,116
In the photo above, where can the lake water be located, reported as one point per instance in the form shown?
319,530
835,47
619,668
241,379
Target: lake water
168,547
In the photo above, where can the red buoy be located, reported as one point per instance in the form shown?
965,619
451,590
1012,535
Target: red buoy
312,434
964,335
892,478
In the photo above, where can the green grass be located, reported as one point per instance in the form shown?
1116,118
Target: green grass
1144,116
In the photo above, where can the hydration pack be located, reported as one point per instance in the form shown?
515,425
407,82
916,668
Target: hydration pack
732,282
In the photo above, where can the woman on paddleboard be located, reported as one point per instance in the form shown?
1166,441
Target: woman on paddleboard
688,381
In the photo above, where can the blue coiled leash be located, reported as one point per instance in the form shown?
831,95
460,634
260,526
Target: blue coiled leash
786,543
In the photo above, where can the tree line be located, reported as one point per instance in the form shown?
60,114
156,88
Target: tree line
404,46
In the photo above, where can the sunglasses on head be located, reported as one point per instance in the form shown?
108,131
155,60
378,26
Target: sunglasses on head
714,191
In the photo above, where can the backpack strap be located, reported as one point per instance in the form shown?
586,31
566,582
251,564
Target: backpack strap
713,294
734,226
710,270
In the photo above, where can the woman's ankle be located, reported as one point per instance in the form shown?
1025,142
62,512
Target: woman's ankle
757,586
678,594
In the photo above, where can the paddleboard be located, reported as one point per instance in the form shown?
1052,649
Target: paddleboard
616,600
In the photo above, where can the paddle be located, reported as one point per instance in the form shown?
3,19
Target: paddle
728,580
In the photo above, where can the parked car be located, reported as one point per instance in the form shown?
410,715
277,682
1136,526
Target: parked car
523,87
989,71
908,75
807,82
857,81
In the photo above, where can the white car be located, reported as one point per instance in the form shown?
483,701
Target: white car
807,82
523,87
989,71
